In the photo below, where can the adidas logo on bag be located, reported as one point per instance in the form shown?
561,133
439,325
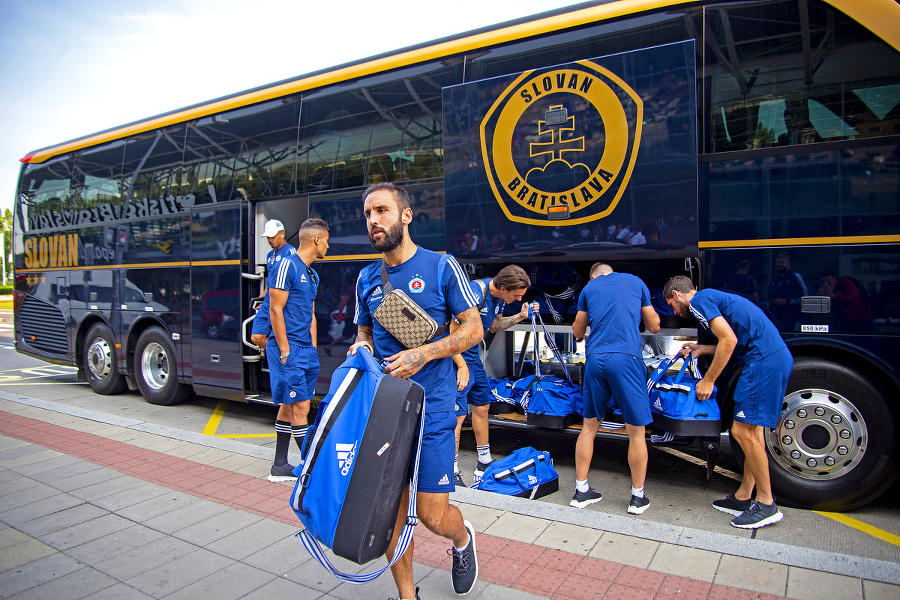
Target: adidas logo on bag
532,480
345,455
658,404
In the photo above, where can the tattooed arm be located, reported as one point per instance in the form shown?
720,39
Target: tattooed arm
407,363
500,322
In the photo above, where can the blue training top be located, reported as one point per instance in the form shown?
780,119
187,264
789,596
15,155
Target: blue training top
613,305
757,336
261,322
439,285
488,312
301,283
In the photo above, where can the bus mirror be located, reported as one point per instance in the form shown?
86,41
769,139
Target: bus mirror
816,305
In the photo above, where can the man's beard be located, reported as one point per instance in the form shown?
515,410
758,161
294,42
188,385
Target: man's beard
393,237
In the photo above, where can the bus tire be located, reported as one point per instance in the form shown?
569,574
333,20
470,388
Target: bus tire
100,361
155,369
835,447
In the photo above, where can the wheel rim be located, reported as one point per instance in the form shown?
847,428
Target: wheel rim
99,358
154,366
820,435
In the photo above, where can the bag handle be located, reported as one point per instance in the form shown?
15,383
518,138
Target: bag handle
406,534
551,343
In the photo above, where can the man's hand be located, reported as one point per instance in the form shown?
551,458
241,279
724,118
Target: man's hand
405,364
704,389
358,345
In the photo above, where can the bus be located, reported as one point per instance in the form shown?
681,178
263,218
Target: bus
752,145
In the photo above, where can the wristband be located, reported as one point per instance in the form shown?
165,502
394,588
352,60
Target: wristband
285,355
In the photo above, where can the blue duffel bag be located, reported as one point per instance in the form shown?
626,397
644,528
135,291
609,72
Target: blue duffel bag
675,396
356,464
526,473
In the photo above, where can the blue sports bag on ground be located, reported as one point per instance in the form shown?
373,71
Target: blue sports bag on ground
526,473
675,396
356,463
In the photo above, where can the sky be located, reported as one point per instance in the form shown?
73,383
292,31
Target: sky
68,69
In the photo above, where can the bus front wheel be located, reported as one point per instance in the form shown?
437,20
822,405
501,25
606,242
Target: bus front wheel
154,369
835,446
100,361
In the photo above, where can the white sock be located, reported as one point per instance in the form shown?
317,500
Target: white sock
456,463
581,486
638,493
464,545
484,454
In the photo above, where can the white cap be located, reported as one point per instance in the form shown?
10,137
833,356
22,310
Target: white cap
273,226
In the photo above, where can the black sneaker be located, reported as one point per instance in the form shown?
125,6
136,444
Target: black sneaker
465,565
582,499
637,506
283,472
480,468
758,515
732,505
459,480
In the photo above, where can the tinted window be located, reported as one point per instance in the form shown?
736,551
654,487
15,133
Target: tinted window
348,235
380,128
245,153
45,190
848,192
153,173
785,73
598,40
862,281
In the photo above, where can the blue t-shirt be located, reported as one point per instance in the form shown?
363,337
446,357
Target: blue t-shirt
488,312
613,305
301,284
757,337
439,285
273,260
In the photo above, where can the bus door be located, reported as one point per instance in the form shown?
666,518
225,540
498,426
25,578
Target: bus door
216,300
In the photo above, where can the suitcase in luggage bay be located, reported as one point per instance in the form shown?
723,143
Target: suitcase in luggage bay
357,459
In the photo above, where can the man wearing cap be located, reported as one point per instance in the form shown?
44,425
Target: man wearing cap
291,349
274,233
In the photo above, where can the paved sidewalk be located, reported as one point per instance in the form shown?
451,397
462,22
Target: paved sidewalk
99,506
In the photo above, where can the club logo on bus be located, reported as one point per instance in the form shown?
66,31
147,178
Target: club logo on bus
561,143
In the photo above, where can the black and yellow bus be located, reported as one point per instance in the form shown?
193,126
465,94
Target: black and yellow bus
752,145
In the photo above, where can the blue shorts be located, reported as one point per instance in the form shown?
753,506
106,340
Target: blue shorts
621,376
477,392
760,389
295,380
462,403
438,453
261,324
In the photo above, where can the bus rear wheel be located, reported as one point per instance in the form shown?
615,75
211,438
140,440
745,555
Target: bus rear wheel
100,361
835,446
154,369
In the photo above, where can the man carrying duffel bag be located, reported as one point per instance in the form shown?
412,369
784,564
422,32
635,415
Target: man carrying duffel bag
744,330
613,304
439,286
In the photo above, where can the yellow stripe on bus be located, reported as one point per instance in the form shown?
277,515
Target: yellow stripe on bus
807,241
881,534
876,15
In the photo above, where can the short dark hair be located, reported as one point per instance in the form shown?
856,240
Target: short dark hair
400,195
678,283
512,277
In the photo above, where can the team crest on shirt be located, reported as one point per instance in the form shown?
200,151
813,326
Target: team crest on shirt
277,258
417,285
293,394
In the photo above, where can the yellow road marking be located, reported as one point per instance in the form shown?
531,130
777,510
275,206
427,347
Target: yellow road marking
215,419
881,534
